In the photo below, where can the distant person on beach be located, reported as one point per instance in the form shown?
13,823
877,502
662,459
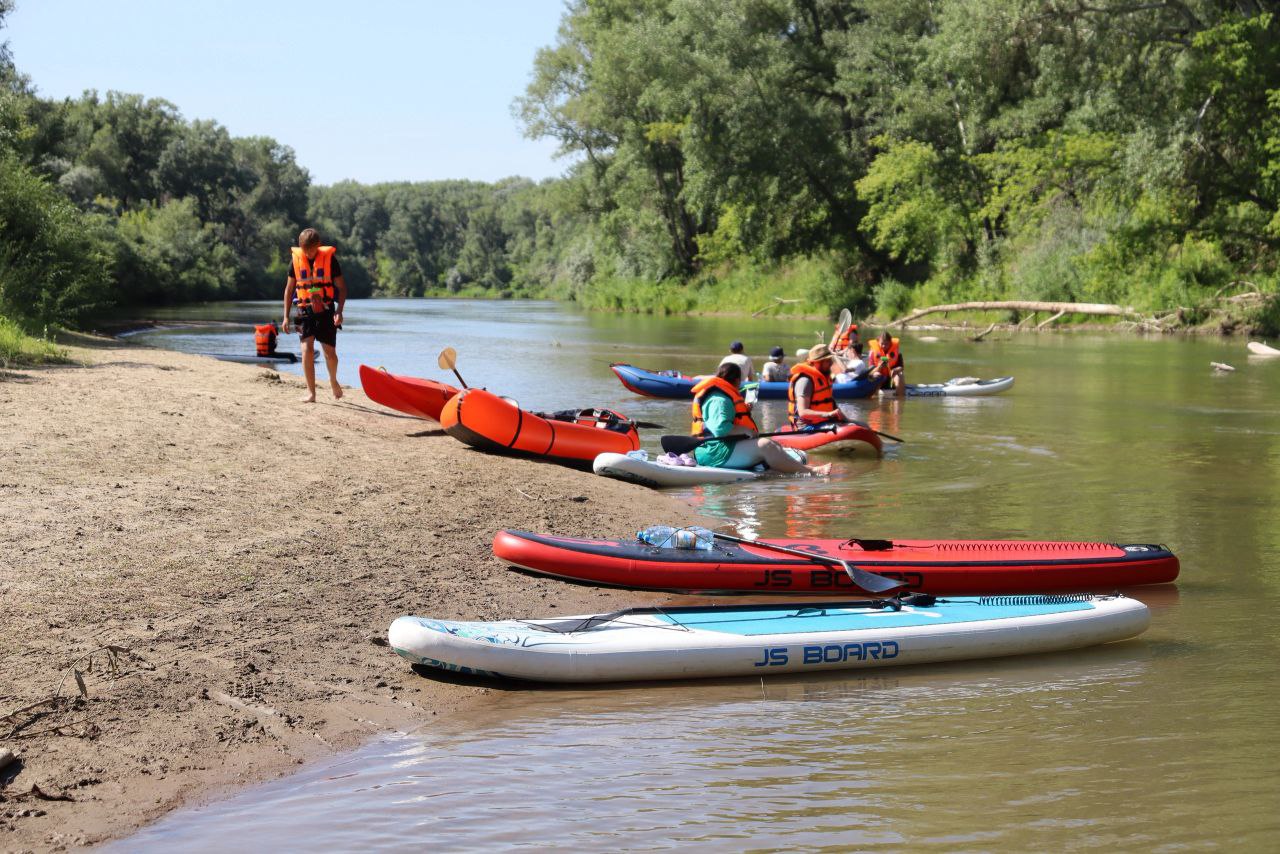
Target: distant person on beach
811,399
743,361
318,292
775,370
264,338
885,358
720,410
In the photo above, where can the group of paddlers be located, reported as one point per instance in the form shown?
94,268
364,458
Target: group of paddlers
721,410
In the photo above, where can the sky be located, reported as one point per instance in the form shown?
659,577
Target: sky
384,90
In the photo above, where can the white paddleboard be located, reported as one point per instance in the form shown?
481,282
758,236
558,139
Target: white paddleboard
657,475
959,387
761,640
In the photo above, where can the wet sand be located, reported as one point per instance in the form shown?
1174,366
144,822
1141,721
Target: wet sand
219,563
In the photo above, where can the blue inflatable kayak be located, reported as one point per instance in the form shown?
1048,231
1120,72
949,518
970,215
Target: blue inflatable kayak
677,386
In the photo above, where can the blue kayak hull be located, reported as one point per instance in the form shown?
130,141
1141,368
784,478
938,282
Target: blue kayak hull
674,386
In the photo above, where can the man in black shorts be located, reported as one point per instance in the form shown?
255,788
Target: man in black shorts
317,291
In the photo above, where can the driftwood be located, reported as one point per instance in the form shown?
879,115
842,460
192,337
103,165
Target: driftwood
1096,308
984,333
777,301
1042,324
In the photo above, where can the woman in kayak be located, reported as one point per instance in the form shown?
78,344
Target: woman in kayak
720,410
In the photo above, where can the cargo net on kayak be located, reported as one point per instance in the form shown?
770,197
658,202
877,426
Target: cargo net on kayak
605,419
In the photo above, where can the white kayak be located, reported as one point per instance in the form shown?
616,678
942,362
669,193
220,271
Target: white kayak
758,640
958,387
657,475
1257,348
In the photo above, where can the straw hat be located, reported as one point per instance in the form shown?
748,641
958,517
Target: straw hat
819,352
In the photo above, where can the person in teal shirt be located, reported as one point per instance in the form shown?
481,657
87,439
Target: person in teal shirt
717,407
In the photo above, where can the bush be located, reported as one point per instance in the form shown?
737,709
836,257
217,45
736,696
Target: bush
54,262
19,348
893,299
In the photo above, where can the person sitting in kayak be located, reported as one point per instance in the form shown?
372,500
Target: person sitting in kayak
719,409
885,358
843,342
810,396
855,367
264,338
743,361
775,370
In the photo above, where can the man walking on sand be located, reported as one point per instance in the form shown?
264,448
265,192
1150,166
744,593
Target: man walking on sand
319,292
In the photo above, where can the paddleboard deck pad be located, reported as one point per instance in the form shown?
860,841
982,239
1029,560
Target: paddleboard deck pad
760,640
944,567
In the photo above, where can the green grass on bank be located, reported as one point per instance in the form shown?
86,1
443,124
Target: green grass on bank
17,348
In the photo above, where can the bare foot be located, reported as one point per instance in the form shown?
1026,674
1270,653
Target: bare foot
337,391
821,471
311,398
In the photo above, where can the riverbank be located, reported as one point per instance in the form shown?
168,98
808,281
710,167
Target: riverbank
219,563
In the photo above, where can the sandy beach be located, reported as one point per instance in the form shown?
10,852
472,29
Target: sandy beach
219,563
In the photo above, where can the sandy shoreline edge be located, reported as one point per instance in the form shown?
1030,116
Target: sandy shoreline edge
241,551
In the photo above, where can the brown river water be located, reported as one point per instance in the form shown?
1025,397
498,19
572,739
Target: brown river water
1165,743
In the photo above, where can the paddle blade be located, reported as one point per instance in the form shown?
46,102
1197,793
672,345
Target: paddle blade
871,582
448,359
679,444
649,425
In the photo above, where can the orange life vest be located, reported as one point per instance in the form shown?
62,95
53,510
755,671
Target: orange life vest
822,400
875,357
843,340
741,410
314,277
264,338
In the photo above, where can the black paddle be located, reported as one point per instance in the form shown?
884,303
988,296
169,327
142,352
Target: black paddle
868,581
685,444
874,430
449,361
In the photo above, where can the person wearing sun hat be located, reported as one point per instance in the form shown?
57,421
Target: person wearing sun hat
810,396
775,370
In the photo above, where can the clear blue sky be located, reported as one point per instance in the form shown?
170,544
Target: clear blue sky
375,91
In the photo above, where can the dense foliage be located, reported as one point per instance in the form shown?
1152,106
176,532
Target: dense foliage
878,154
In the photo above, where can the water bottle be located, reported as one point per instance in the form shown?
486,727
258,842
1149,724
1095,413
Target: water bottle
641,455
657,535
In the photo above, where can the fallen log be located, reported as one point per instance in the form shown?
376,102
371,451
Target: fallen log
1094,308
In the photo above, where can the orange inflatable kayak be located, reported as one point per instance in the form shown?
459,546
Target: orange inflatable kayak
410,395
576,437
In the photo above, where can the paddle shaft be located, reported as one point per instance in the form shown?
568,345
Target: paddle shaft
868,581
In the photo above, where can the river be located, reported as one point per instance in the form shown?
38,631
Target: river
1164,743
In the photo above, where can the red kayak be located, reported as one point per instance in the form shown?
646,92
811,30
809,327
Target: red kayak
410,395
945,567
846,437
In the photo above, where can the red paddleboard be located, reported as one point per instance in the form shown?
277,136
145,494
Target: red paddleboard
945,567
410,395
846,437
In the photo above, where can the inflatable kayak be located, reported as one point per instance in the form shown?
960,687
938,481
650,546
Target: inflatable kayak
759,640
410,395
657,475
930,566
677,386
1257,348
847,437
496,424
959,387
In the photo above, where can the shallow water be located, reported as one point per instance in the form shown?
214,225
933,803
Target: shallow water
1164,743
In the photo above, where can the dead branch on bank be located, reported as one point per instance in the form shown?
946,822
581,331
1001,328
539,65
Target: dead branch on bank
777,301
1060,308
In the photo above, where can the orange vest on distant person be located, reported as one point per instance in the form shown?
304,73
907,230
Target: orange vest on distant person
264,338
844,339
875,357
823,400
741,410
314,277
